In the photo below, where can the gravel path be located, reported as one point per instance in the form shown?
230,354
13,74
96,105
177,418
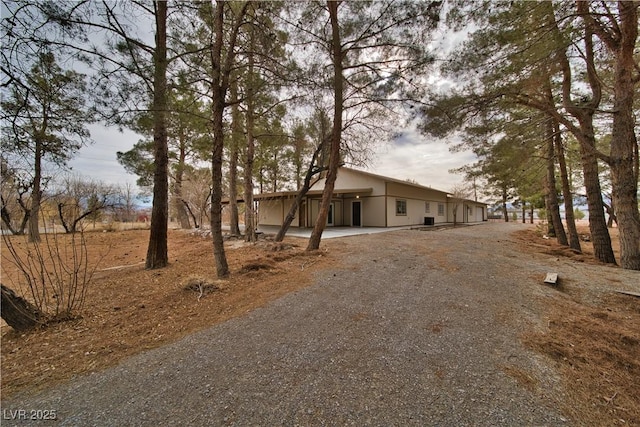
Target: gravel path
421,328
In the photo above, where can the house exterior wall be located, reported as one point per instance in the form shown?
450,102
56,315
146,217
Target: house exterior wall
380,200
416,199
338,214
468,211
272,212
347,210
454,206
351,179
477,212
373,212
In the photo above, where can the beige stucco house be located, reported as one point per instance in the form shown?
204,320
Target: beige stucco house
362,199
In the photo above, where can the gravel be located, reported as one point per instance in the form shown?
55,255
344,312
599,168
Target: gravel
414,328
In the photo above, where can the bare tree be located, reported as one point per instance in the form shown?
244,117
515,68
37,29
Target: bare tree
82,198
125,207
197,195
14,194
457,196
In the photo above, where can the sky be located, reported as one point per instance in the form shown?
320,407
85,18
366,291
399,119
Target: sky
98,161
423,159
411,156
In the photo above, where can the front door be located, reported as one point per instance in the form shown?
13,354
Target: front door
302,216
330,216
356,214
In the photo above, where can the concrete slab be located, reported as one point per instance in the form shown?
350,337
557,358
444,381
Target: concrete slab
329,232
335,232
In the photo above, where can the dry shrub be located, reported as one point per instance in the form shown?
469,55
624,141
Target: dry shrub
598,351
53,274
255,266
269,246
201,285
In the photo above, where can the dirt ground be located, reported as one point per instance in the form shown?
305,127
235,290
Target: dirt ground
129,309
595,342
593,337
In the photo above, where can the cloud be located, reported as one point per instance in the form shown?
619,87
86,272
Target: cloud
99,161
408,156
427,161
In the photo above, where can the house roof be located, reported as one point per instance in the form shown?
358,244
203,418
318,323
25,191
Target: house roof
411,184
388,179
292,194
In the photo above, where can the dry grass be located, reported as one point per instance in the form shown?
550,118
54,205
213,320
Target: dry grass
597,350
130,309
594,342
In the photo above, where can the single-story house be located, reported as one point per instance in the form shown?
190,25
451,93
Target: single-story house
362,199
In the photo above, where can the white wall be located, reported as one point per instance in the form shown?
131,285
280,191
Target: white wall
416,198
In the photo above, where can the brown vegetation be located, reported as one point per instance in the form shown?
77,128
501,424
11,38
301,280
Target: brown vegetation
129,309
594,342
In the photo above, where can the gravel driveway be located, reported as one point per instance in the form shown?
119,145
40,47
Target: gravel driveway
421,328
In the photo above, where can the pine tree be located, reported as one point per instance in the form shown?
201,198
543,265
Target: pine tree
46,115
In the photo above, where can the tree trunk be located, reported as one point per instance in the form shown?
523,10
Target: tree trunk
249,209
178,202
6,217
531,213
25,217
191,214
157,254
624,146
222,268
600,237
306,185
19,313
236,133
574,238
552,192
62,220
610,209
504,204
220,71
36,195
336,133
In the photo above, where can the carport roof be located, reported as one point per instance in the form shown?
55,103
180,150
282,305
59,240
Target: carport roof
291,194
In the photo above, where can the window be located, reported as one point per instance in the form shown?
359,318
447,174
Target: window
440,209
401,207
427,207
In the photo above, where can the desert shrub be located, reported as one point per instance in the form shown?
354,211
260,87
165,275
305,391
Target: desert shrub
201,285
52,274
